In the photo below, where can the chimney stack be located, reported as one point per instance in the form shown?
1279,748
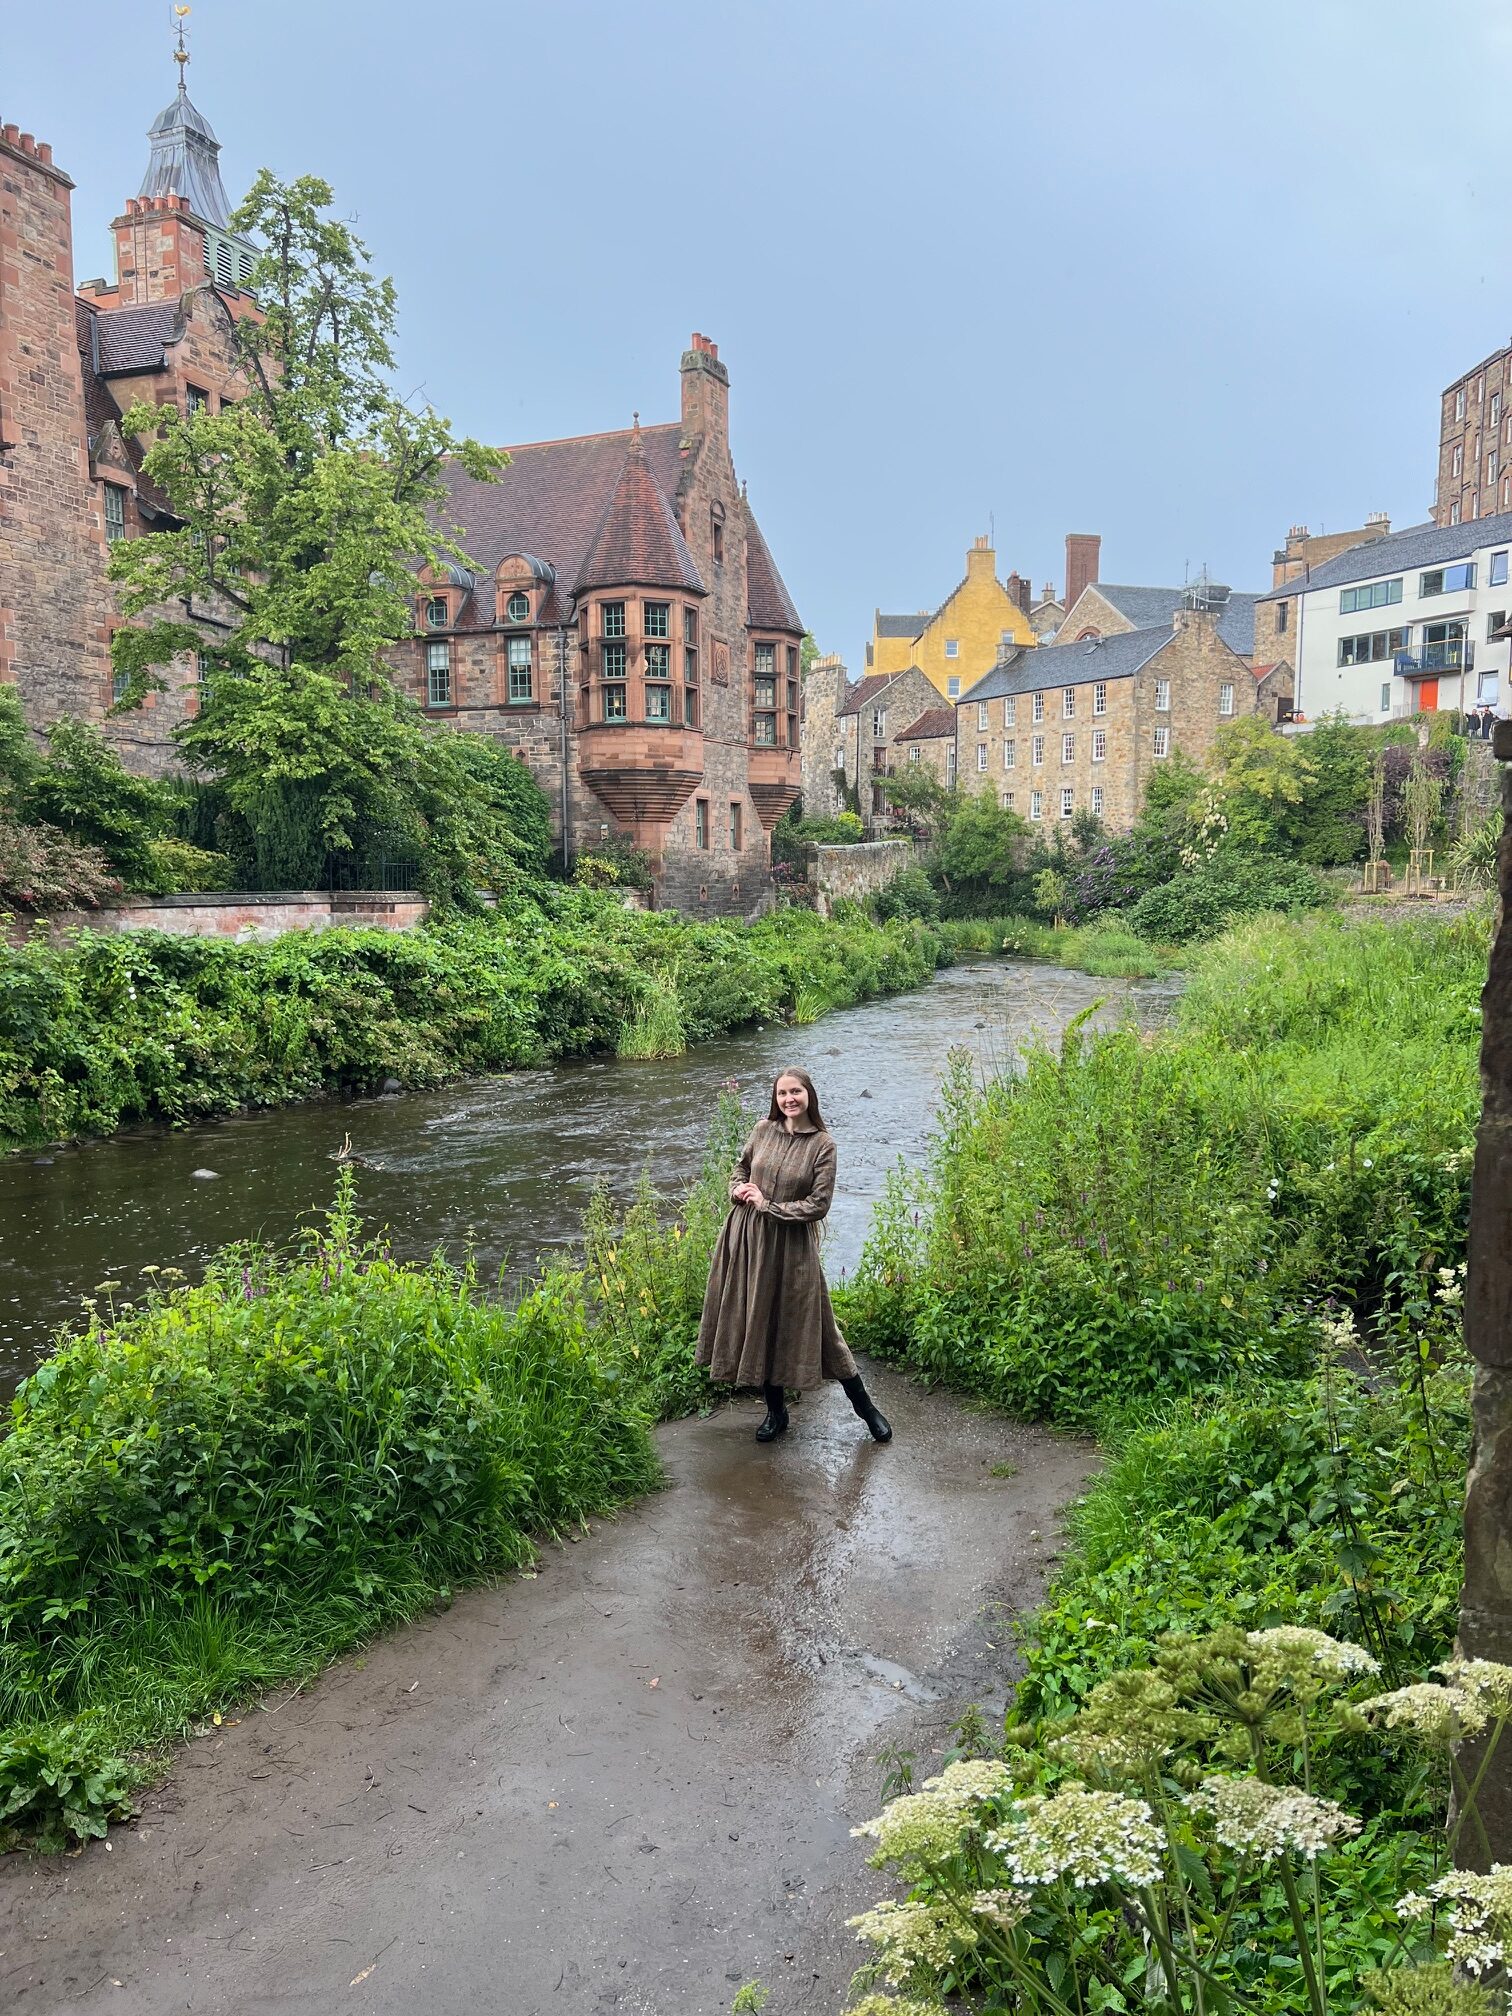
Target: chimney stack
1083,554
705,393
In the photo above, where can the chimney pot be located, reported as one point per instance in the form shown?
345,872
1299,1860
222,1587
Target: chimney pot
44,151
12,135
28,143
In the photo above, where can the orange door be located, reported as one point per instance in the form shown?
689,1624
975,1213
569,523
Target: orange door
1427,696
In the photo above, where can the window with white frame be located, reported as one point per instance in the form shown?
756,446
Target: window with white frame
1097,801
1010,755
1099,745
1492,466
952,647
1007,801
1459,403
1036,804
1068,703
950,761
1494,623
521,672
1037,749
915,753
1068,801
1226,698
438,686
1039,706
1457,460
1386,696
1068,748
839,759
879,724
1496,573
1454,512
517,608
1488,688
1162,741
953,685
435,613
981,755
1100,697
982,715
1162,696
115,512
1010,712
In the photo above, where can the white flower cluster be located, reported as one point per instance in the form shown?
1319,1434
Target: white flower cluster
913,1936
1480,1915
927,1825
1489,1682
1086,1836
1104,1750
1437,1714
1339,1331
1293,1651
1270,1820
893,2005
1004,1907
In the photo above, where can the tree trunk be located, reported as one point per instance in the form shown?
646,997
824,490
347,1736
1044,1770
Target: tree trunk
1485,1630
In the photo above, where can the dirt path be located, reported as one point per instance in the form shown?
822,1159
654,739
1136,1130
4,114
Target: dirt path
626,1785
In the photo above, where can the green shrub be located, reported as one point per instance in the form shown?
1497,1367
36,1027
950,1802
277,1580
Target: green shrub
42,869
1201,902
83,788
909,894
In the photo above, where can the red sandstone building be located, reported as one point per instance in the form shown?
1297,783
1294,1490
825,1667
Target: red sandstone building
1475,443
622,624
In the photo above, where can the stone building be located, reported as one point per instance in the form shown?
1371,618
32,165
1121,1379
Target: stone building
826,685
956,643
1475,443
70,482
865,723
928,744
1081,726
1305,550
622,625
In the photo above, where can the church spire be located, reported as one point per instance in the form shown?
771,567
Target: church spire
185,157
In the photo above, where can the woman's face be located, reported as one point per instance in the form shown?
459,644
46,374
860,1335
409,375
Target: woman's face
792,1098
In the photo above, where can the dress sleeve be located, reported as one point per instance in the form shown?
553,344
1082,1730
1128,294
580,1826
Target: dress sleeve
809,1210
743,1164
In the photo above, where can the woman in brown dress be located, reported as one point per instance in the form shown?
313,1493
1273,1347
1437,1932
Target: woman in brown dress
767,1319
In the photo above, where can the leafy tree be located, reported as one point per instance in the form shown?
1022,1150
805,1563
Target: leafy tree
305,507
84,789
1329,826
980,843
1262,778
19,758
922,799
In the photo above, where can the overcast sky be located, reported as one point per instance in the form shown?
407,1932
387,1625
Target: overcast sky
1182,272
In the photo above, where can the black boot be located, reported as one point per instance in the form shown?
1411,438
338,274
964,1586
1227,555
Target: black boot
855,1391
776,1420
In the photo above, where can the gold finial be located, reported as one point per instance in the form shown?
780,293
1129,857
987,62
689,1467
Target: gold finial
181,53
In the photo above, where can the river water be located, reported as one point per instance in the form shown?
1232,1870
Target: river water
508,1162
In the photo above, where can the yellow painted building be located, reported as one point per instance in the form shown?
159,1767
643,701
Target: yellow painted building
960,642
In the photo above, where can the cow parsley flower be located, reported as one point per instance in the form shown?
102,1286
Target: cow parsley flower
1004,1907
927,1825
1480,1916
913,1937
1270,1820
893,2005
1086,1836
1294,1653
1438,1714
1490,1683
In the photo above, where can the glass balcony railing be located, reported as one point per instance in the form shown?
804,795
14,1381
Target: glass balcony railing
1455,654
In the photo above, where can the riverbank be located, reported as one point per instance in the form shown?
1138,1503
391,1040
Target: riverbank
101,1032
1234,1250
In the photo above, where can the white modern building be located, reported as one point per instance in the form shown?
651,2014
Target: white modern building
1401,626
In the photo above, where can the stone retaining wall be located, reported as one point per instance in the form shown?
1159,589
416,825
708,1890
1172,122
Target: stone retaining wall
858,871
255,916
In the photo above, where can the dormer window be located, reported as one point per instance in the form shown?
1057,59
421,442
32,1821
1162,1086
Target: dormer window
435,613
517,608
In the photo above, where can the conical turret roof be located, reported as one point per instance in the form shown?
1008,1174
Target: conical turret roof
768,603
638,541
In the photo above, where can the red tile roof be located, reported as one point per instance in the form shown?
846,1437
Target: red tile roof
863,691
637,542
550,499
933,722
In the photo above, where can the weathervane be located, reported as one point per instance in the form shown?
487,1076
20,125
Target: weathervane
181,53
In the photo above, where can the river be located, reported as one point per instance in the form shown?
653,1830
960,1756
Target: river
508,1162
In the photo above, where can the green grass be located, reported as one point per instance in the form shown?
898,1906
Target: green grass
1109,950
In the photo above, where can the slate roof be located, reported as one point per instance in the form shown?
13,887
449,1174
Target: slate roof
1034,670
768,603
185,161
101,406
903,626
637,540
132,339
931,724
1145,608
1400,553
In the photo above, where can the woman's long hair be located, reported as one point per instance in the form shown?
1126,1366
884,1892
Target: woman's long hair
815,1117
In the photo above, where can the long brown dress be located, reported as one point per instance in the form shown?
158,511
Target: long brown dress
767,1319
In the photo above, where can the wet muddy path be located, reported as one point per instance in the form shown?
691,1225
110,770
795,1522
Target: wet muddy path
626,1785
